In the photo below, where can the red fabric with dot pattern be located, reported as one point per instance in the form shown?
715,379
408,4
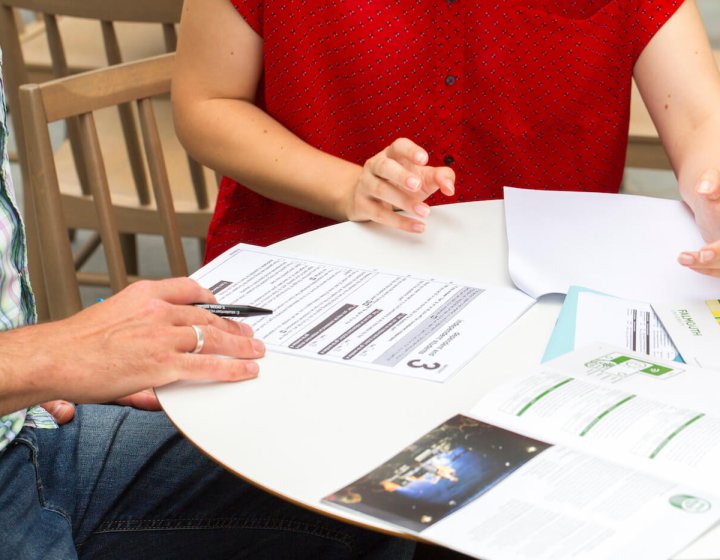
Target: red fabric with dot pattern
526,93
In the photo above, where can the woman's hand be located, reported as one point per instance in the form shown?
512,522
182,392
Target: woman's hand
705,204
398,178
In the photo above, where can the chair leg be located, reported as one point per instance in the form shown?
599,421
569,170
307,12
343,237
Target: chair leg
87,250
35,262
201,245
128,241
37,279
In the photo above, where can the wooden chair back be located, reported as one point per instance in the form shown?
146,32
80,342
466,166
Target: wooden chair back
72,166
80,96
107,14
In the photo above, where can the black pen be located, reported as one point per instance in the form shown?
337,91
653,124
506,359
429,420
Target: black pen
223,310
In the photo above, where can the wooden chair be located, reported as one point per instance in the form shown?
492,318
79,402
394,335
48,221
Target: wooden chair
83,42
81,96
69,22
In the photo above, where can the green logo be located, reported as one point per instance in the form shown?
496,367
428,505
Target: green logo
690,504
656,370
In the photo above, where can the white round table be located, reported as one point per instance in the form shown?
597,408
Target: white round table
305,428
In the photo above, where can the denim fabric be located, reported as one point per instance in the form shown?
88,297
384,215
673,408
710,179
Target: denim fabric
122,483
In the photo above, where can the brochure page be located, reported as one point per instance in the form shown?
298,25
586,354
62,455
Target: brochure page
567,505
656,416
496,494
402,323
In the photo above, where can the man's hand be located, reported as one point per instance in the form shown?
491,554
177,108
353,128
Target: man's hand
63,411
705,203
140,338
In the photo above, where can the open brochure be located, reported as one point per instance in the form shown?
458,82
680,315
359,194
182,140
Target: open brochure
602,453
622,245
407,324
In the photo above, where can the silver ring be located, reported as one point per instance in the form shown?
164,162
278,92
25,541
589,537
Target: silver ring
200,336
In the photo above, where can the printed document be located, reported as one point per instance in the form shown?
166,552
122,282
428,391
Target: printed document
588,316
622,245
392,321
601,454
695,328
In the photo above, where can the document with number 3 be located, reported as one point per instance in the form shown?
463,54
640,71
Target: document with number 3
403,323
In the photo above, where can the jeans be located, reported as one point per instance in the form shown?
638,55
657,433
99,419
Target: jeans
122,483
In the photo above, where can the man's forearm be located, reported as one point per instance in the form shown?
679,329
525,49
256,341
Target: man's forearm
24,377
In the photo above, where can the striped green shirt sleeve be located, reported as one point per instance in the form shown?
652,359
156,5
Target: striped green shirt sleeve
17,306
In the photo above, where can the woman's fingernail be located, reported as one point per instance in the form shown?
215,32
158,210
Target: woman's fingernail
252,368
706,187
450,186
707,256
258,346
422,210
413,183
418,228
687,259
421,157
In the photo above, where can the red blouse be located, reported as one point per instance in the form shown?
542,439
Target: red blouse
527,93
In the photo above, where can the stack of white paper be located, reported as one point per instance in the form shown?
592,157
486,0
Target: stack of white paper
622,245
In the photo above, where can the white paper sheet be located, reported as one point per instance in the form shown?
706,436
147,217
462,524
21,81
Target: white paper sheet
618,244
391,321
564,505
695,328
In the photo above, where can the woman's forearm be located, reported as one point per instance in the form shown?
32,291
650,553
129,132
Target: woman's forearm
241,141
700,152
